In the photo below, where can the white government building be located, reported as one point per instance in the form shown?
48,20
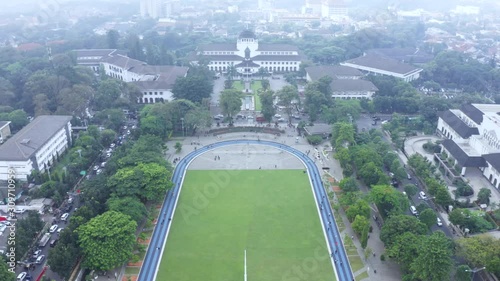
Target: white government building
35,147
154,81
247,55
473,138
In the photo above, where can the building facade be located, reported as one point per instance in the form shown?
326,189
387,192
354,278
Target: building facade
4,130
248,55
379,65
473,138
347,83
93,57
35,147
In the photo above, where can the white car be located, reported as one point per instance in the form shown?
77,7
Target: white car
37,253
98,172
19,211
112,145
438,222
53,228
422,195
59,230
108,155
277,116
103,164
96,167
128,132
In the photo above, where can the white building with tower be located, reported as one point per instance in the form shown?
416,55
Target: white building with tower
247,55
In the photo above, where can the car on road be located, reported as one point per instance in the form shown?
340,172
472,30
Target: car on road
128,132
59,230
53,228
408,176
413,210
218,117
19,211
21,276
281,119
109,150
98,172
96,167
422,195
103,164
439,222
277,115
112,145
108,155
40,259
37,253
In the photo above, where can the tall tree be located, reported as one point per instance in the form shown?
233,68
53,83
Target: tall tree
267,102
130,206
428,217
5,273
434,260
389,200
481,250
286,97
398,225
193,88
107,240
230,102
112,37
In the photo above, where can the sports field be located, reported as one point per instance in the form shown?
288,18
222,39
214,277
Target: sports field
270,213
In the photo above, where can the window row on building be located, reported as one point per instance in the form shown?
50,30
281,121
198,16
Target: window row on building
89,58
267,68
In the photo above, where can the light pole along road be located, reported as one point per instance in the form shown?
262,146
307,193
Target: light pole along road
336,248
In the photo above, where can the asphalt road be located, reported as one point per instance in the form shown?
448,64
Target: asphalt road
337,252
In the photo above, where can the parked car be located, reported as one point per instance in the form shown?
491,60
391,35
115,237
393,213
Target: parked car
21,276
53,228
98,172
37,253
112,145
103,164
40,259
422,195
96,167
439,223
19,211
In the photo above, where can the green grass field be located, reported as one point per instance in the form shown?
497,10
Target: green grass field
270,213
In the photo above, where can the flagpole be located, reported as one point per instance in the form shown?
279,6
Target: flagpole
245,265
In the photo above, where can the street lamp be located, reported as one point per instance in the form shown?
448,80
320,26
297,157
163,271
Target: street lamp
474,271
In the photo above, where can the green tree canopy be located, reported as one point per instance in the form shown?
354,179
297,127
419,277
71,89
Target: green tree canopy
230,103
267,102
398,225
434,260
107,240
193,88
428,217
481,250
130,206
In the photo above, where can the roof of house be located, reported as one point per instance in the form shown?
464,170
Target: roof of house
167,75
218,47
383,63
277,47
277,58
473,113
123,61
352,85
461,156
32,137
319,129
494,160
247,63
409,55
458,125
216,57
4,123
334,71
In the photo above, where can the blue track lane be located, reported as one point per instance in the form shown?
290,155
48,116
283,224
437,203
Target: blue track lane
152,259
